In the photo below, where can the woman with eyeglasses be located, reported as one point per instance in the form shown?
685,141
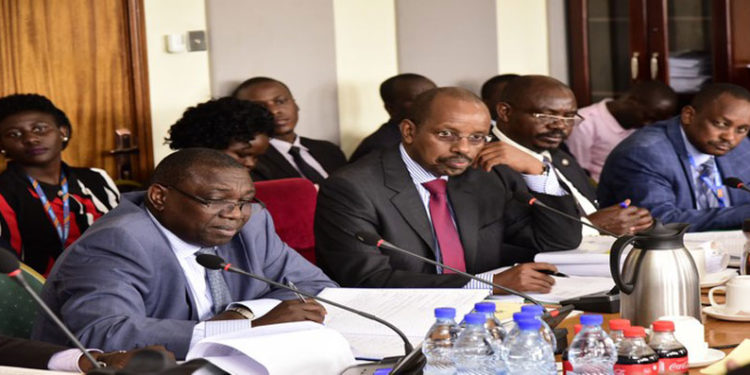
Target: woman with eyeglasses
45,205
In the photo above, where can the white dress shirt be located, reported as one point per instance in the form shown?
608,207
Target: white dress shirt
283,147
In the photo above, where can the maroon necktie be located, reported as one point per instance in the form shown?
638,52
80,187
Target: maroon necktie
450,244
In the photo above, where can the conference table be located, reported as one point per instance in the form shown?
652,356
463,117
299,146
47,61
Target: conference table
718,332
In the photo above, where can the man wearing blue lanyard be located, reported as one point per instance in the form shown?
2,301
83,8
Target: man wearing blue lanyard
675,168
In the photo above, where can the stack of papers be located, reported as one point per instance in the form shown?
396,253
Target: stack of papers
689,71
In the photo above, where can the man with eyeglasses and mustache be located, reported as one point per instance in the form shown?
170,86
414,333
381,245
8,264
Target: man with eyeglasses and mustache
676,167
422,195
132,279
534,116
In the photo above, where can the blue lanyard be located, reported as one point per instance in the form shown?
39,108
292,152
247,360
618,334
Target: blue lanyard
63,229
716,187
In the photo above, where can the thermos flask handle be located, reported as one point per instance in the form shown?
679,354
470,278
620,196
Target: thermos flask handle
614,262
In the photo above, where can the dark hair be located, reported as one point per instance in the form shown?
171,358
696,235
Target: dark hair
179,165
715,90
216,123
421,109
17,103
388,87
488,87
256,81
526,86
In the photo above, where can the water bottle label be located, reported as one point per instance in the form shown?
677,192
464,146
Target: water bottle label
674,366
639,369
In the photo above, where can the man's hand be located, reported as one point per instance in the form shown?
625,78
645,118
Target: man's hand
496,153
293,311
526,278
119,359
622,220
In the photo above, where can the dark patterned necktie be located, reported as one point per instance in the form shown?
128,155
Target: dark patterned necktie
216,284
706,196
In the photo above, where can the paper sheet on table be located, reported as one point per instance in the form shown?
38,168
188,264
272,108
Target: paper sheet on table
740,355
411,310
268,349
566,288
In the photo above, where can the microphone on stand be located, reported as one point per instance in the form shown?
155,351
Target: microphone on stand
9,265
529,199
736,183
373,239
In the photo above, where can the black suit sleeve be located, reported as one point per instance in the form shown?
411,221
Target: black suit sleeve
344,209
26,353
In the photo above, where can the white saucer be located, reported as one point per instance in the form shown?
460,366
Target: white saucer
717,278
712,355
718,313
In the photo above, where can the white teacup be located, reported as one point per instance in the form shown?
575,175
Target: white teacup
699,257
690,333
737,290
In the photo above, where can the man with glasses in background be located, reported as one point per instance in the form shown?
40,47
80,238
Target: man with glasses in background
422,195
132,280
534,116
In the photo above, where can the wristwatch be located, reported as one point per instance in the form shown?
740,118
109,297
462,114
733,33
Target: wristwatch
242,310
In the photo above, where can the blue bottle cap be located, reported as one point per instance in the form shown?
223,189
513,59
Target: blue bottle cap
485,307
534,309
475,318
382,371
529,324
445,312
522,315
591,319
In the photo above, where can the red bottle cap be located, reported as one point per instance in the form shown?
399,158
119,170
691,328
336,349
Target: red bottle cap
635,331
663,326
577,328
618,324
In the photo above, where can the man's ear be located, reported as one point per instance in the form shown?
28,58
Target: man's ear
157,196
687,114
503,111
408,131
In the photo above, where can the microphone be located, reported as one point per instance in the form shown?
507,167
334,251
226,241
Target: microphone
529,199
9,265
736,183
215,262
373,239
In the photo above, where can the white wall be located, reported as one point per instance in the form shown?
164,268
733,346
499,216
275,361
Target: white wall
522,39
176,81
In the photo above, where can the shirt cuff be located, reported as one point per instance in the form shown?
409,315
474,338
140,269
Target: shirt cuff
259,307
544,183
473,284
67,360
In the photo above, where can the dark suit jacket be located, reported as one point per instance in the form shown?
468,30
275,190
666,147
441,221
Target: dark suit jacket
376,194
19,352
273,166
569,167
388,135
651,167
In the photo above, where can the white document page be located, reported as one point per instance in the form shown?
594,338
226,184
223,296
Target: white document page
573,287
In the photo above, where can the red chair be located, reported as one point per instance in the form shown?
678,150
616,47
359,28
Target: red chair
291,203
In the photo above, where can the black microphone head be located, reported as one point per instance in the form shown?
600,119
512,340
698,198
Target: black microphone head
210,261
8,261
368,238
523,196
733,182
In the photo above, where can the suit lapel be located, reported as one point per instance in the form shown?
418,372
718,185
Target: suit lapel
275,160
465,208
406,199
674,134
318,154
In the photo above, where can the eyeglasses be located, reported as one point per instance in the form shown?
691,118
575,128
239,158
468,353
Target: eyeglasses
547,119
449,136
218,205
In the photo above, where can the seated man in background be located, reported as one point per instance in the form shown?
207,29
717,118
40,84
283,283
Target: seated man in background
235,127
491,90
675,168
289,155
423,196
398,94
608,122
534,116
132,279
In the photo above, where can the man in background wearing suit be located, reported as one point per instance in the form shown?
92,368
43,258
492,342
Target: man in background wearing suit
423,196
534,116
132,279
398,94
289,155
675,167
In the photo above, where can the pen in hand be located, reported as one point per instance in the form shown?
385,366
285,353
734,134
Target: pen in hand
553,273
300,297
625,203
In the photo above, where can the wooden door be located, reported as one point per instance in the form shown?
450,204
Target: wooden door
89,58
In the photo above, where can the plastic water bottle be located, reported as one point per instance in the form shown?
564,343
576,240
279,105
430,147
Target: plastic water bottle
529,353
514,330
545,330
472,352
438,343
496,333
567,367
592,351
617,330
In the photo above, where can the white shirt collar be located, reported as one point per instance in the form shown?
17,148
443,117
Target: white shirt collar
698,156
504,138
418,174
180,248
284,146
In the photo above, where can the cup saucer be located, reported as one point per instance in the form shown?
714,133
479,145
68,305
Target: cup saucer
717,278
711,356
719,313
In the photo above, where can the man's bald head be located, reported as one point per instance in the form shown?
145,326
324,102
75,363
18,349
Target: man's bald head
398,93
180,165
420,110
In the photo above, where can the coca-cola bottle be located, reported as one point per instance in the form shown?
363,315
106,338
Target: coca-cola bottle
634,356
673,356
567,367
617,330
